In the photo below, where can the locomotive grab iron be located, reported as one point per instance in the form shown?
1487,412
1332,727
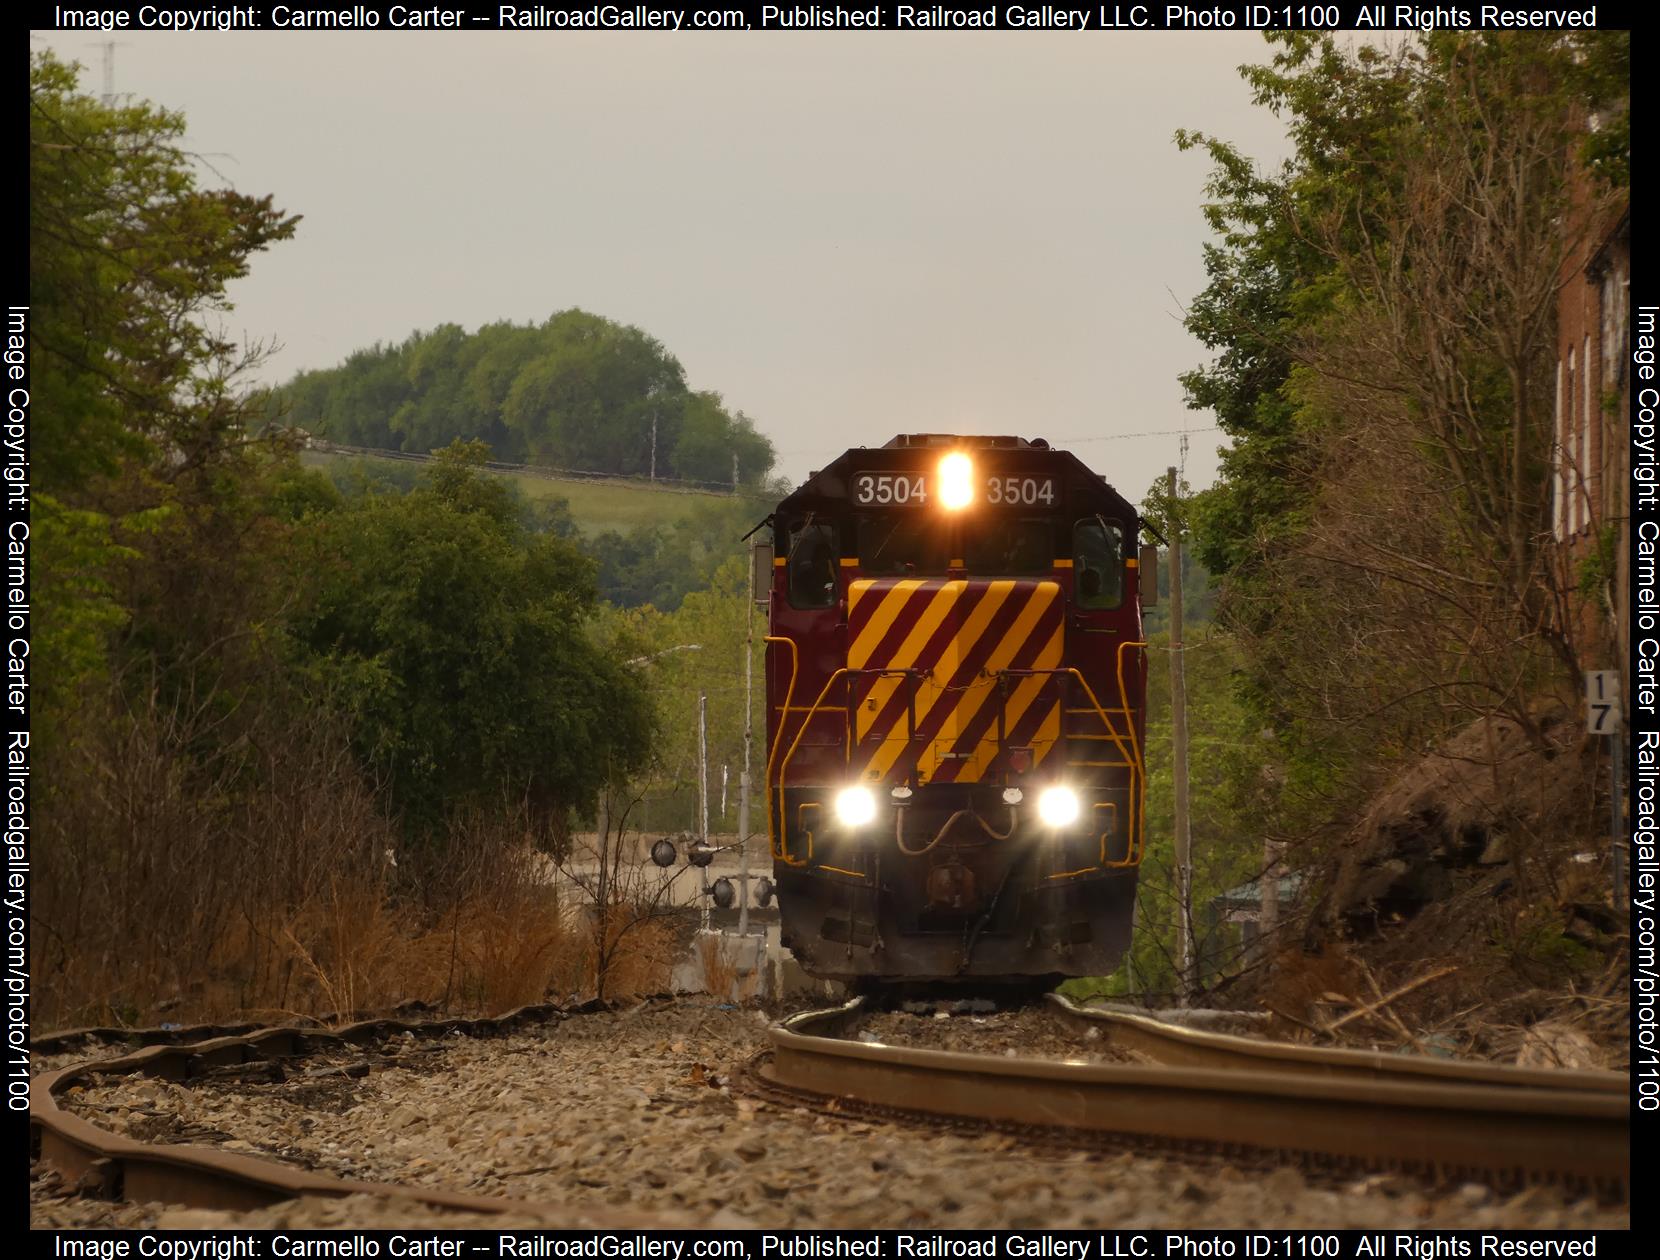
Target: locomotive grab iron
956,685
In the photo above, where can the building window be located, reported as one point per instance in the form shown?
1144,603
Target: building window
1588,417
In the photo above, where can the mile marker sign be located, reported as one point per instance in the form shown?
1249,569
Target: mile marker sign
1602,701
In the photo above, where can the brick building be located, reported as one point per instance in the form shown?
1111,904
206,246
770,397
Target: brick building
1591,486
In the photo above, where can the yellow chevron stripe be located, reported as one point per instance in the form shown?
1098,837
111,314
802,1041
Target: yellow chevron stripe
1048,732
933,687
855,592
880,621
1019,702
980,691
938,609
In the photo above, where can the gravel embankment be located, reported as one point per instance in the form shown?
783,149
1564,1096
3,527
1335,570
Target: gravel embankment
1032,1031
633,1112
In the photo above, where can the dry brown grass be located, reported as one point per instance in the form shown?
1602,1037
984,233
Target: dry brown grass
357,950
720,968
349,946
641,957
259,882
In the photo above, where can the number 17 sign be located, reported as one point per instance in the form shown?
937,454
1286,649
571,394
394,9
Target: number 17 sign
1602,701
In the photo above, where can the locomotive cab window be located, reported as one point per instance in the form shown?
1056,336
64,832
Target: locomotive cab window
1010,548
810,564
1098,564
902,544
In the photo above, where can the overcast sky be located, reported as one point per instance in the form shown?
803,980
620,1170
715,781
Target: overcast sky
848,235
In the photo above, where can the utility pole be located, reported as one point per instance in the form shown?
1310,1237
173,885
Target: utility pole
734,472
654,444
108,47
1178,759
703,794
743,775
602,881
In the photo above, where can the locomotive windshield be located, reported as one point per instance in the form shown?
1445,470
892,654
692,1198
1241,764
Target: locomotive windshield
810,564
897,544
900,544
1010,548
1098,563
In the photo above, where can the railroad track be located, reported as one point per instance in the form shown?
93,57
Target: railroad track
1353,1108
1206,1095
110,1166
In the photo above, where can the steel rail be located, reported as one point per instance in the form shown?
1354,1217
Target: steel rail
1431,1123
118,1167
1190,1047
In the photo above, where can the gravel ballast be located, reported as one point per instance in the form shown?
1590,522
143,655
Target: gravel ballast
1034,1032
636,1112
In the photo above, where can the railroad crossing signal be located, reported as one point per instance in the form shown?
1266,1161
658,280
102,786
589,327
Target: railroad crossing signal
1602,701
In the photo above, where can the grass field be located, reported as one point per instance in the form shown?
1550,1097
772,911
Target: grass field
596,506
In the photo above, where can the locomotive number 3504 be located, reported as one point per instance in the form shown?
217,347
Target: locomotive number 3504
899,489
1020,491
885,488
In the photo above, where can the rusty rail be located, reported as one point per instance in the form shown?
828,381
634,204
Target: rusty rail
1421,1119
1188,1047
197,1176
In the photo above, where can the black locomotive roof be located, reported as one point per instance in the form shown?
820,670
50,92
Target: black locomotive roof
910,440
910,451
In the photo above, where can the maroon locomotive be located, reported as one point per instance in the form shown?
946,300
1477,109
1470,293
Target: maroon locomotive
955,700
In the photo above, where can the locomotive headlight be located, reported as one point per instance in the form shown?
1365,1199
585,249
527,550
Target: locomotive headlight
956,481
855,806
1058,806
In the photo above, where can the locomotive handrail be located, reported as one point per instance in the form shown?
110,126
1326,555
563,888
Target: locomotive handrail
910,705
1131,751
772,753
1132,761
1125,697
1137,840
782,849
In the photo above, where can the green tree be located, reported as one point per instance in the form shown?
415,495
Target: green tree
1268,280
460,643
711,439
140,417
714,618
662,564
128,259
589,398
578,391
1381,309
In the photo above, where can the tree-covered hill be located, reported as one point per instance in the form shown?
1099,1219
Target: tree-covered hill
579,391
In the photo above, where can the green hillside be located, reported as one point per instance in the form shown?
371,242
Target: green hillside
577,391
596,506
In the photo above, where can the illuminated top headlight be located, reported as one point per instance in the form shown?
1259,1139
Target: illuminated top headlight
956,481
855,806
1058,806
